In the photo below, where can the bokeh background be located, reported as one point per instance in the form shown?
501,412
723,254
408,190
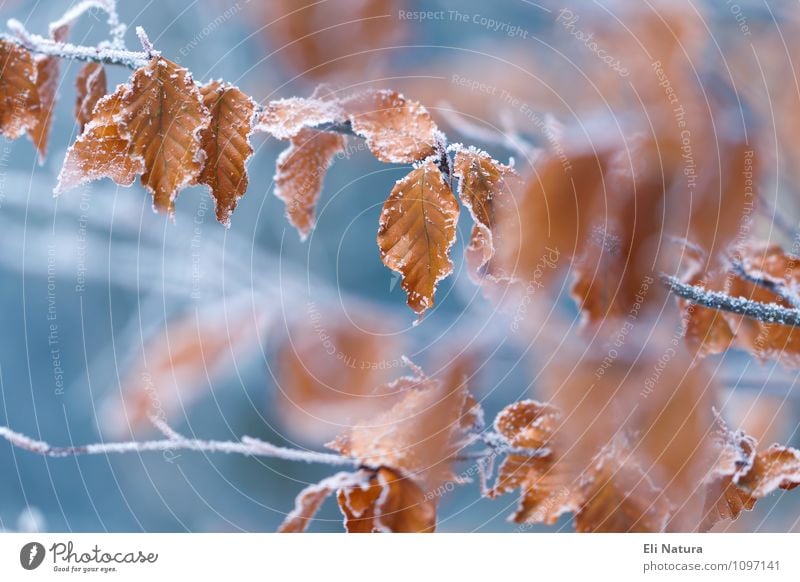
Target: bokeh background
108,308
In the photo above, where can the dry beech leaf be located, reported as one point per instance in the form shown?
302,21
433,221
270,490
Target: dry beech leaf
285,118
310,499
19,95
419,435
740,475
90,86
546,490
47,82
226,142
325,381
417,229
151,126
618,496
299,175
397,130
483,184
388,502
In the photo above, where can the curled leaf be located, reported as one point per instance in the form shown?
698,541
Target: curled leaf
299,174
91,87
310,499
741,475
388,502
483,185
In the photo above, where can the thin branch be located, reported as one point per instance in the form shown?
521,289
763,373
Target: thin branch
775,287
248,446
115,27
64,50
764,312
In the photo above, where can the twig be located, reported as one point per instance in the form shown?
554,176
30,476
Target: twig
115,27
764,312
247,446
64,50
773,286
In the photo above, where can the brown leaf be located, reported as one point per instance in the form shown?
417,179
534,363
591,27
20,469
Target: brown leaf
483,184
619,497
299,174
91,87
389,502
226,142
397,130
546,489
285,118
417,229
151,126
327,379
418,436
19,96
740,475
46,82
101,151
310,499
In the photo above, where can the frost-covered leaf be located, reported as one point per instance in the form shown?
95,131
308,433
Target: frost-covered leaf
418,436
226,142
310,499
90,86
388,502
741,475
300,171
417,229
483,185
327,380
47,79
397,129
546,490
285,118
151,126
19,96
618,496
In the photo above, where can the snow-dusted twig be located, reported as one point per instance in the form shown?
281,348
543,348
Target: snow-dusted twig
765,312
64,50
115,27
773,286
145,40
248,446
